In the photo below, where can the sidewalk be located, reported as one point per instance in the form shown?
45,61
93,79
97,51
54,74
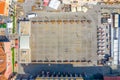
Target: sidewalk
16,60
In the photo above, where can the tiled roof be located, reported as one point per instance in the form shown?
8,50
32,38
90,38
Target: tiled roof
2,77
2,59
3,8
7,48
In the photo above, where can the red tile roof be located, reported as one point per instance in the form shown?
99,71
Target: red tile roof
2,77
3,8
2,59
7,48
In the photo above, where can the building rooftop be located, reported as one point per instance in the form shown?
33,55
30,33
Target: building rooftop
3,25
10,25
4,8
24,42
21,1
2,31
7,48
25,28
2,77
2,59
81,2
25,31
25,56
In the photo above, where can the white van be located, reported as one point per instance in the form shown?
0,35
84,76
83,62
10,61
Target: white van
31,15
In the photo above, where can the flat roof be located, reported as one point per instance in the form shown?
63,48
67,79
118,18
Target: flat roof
3,25
22,1
24,28
10,25
2,32
24,42
25,56
54,4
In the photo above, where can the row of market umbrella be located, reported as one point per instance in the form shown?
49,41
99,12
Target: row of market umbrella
101,40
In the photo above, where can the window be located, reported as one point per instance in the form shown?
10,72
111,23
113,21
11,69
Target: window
106,27
23,60
106,34
106,40
24,52
75,1
107,46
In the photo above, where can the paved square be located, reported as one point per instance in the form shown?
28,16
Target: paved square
70,41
